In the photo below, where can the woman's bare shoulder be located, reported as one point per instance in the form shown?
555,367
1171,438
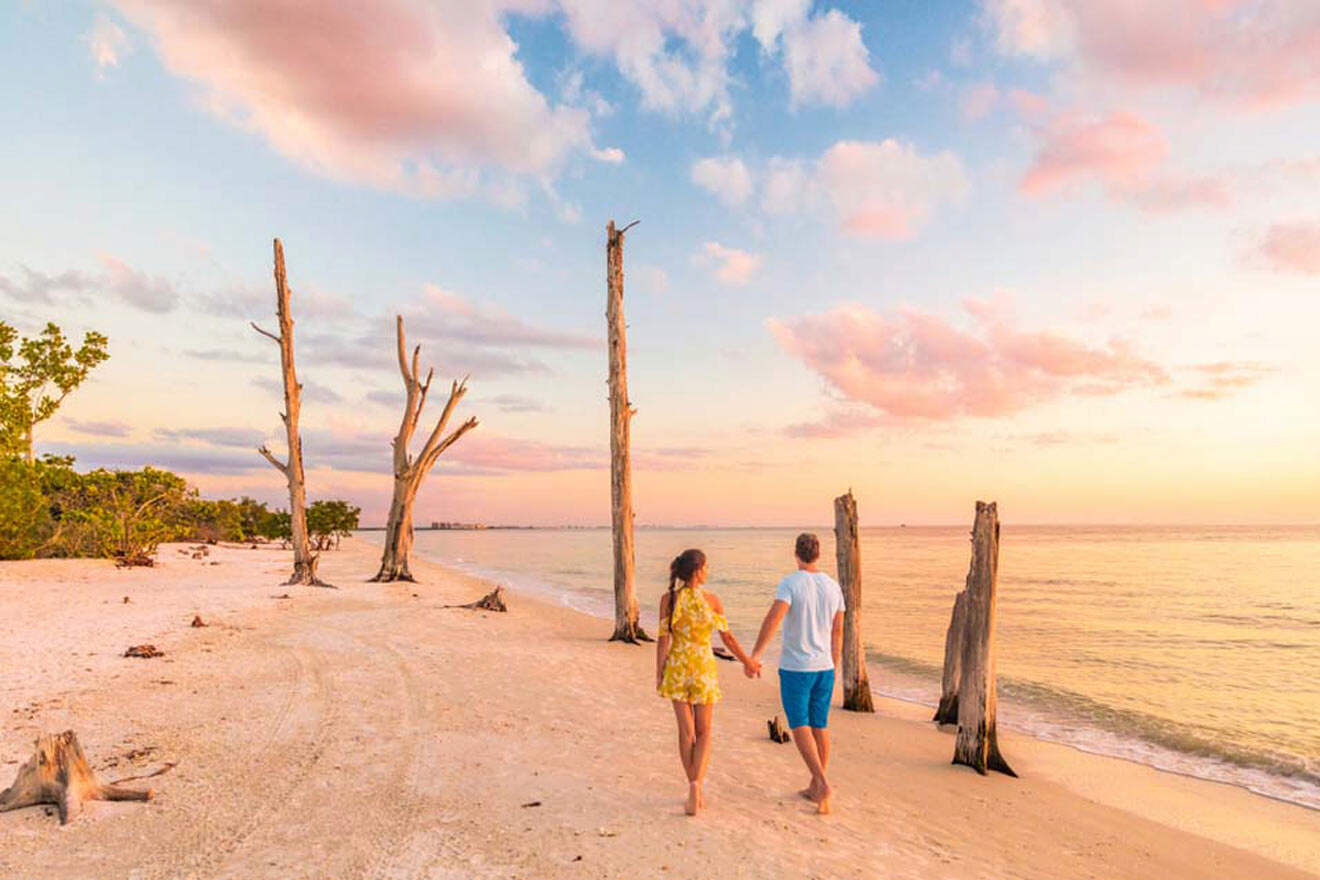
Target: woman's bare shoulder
714,601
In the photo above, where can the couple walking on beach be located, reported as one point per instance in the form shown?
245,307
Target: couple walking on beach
809,604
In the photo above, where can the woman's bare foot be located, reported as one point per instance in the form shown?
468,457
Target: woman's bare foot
809,791
693,799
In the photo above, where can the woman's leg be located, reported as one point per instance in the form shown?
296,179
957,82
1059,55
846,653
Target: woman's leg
686,735
703,717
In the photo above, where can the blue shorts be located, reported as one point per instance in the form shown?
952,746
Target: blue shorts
806,697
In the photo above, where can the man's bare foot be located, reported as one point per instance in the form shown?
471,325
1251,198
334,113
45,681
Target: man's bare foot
693,799
821,798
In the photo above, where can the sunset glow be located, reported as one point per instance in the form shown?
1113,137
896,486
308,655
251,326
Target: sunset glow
1062,254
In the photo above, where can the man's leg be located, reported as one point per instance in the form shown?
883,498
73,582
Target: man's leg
822,737
818,714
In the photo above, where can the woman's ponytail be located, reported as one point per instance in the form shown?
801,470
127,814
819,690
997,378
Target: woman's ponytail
684,567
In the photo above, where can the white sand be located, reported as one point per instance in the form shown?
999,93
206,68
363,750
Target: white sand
366,732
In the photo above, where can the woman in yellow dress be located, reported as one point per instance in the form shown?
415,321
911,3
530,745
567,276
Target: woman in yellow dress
685,670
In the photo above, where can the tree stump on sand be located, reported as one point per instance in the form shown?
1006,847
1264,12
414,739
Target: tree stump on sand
777,732
856,683
977,744
947,713
492,601
58,774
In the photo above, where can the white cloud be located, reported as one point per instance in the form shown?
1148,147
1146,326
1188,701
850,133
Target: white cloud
726,178
1037,28
827,61
610,155
873,189
824,55
107,43
732,266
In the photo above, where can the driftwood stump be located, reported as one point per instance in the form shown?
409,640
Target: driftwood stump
627,627
947,713
778,733
856,683
492,601
58,774
977,744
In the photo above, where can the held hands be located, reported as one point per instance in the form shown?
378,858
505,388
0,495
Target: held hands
752,668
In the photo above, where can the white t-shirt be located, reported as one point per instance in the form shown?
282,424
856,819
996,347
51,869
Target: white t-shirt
813,599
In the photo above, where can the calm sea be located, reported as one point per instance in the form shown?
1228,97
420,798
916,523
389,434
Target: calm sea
1192,649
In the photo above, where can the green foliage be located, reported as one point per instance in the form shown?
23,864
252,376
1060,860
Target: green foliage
213,521
124,514
328,521
48,509
25,521
36,374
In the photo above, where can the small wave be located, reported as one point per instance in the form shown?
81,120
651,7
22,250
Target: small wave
1065,716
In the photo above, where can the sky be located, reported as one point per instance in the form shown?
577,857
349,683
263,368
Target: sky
1062,254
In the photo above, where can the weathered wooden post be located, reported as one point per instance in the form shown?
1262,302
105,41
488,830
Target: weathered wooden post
977,744
856,684
304,561
626,626
947,713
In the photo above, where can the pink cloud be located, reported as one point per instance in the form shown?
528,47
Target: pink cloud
1126,155
1220,379
1121,150
732,266
978,100
1293,247
913,365
1251,54
383,94
887,189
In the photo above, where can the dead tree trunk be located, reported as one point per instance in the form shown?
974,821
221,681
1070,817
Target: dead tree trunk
977,744
626,625
409,471
947,712
856,683
304,561
58,774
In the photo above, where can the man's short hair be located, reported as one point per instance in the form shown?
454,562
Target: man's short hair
807,547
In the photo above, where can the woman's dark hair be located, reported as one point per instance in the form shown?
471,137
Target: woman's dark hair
683,568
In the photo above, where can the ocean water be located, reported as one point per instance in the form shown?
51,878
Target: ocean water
1195,649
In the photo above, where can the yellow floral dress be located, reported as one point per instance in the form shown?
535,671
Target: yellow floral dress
690,673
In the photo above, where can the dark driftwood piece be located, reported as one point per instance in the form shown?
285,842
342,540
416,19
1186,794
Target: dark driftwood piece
977,744
777,732
856,682
146,652
409,472
58,774
197,621
304,561
492,601
627,627
947,712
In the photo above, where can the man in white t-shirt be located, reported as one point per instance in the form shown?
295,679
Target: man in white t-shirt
810,605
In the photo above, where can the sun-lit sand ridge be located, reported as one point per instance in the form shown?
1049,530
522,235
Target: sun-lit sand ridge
367,732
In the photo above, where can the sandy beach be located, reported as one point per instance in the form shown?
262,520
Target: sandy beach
372,732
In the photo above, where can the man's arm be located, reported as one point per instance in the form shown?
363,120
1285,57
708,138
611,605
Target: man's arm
773,618
836,638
